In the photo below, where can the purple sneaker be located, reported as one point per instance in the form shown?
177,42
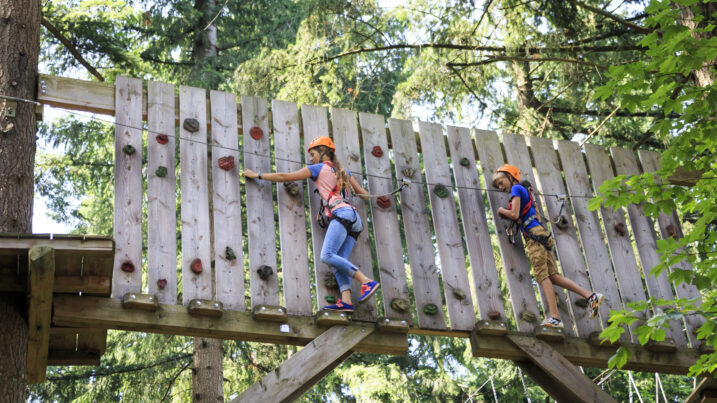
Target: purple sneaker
368,289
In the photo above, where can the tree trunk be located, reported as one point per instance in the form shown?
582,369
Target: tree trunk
208,373
702,77
19,52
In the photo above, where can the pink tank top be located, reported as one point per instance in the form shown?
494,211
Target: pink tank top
325,183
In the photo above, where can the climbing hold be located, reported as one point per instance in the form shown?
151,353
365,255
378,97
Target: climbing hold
377,151
430,309
196,266
440,191
162,139
161,283
562,223
330,299
256,132
528,316
128,149
400,305
127,267
581,302
620,228
408,172
330,280
191,125
459,294
383,202
672,231
493,315
161,172
264,272
465,162
229,254
226,163
354,157
292,188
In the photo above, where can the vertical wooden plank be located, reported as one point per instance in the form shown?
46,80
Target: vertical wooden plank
591,235
259,204
550,182
517,268
646,241
385,221
414,214
623,256
445,223
128,186
317,124
226,201
161,194
475,226
292,214
670,224
41,278
348,150
195,195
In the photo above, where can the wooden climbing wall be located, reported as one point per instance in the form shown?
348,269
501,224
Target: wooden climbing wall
439,247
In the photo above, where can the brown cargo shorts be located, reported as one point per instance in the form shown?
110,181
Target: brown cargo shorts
541,259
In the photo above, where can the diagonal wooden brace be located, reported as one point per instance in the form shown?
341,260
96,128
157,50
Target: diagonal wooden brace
555,374
304,369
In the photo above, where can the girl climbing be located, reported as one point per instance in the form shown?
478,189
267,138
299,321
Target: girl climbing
344,224
538,243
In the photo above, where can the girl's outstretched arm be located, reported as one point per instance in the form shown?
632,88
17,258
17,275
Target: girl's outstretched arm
358,189
301,174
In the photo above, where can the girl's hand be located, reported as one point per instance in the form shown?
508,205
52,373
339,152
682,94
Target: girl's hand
249,174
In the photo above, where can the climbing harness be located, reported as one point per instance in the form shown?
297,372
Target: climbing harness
511,230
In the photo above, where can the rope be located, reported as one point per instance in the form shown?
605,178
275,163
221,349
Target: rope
522,380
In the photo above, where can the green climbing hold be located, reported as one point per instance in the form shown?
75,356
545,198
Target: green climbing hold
161,172
430,309
465,162
459,294
330,280
128,149
399,305
229,254
330,299
265,272
528,316
440,191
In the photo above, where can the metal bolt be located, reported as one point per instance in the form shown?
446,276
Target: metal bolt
502,325
43,92
388,320
560,331
42,82
326,314
281,310
363,330
263,308
403,322
216,305
485,323
342,315
132,296
199,302
150,299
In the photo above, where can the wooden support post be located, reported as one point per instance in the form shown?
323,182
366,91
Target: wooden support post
39,303
300,372
561,379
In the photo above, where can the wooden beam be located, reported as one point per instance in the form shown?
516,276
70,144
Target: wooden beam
13,244
69,357
106,313
39,306
580,352
567,382
300,372
547,383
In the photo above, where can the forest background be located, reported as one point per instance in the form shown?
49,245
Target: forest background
626,73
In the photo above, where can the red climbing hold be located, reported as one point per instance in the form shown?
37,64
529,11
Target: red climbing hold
494,315
161,283
620,229
127,267
226,163
377,151
162,139
197,266
256,132
383,202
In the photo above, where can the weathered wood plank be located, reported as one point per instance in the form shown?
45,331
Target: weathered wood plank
591,234
295,375
292,214
669,225
106,313
70,93
348,150
475,226
414,214
316,124
516,266
226,201
621,252
76,245
161,194
128,186
445,223
39,309
517,154
92,341
550,182
386,229
644,232
260,223
195,196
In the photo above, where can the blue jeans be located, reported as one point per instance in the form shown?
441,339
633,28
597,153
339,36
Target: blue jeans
338,246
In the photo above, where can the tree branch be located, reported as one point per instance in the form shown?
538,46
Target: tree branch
612,17
73,51
499,58
113,371
168,62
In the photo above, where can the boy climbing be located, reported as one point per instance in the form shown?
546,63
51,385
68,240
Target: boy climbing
539,244
344,224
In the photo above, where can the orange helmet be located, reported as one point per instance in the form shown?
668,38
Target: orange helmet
321,141
510,170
